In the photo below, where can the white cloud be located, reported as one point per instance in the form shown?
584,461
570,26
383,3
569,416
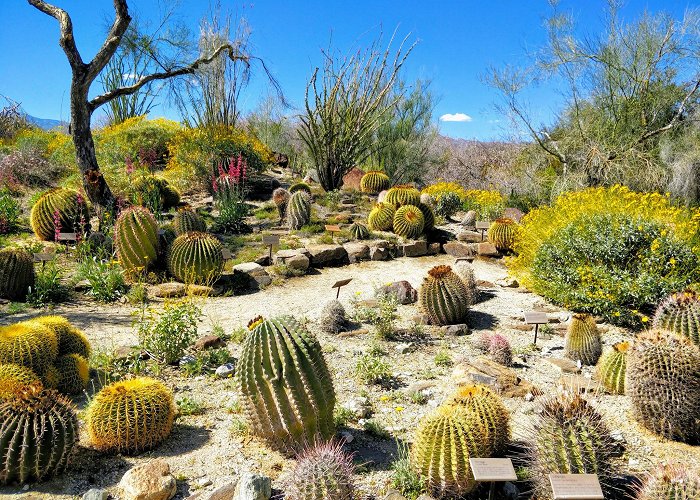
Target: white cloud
130,76
455,117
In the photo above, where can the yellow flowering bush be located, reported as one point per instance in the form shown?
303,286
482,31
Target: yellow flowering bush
487,203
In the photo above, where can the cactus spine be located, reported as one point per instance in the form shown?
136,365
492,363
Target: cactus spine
612,368
284,384
322,472
381,217
444,297
663,381
408,222
680,313
64,206
359,231
583,340
136,239
280,197
299,210
130,416
671,482
186,221
16,273
19,373
403,195
374,182
196,258
502,233
28,344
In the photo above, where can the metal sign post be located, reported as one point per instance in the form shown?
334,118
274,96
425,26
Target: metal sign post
536,318
482,225
339,285
492,470
332,228
271,240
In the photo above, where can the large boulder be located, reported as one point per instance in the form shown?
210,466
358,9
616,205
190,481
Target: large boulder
404,292
357,251
327,255
416,248
150,481
261,186
351,180
255,271
459,249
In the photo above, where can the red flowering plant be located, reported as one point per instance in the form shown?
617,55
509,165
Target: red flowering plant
229,187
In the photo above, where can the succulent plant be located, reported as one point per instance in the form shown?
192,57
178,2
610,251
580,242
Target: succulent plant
196,258
374,181
130,416
280,197
73,373
403,195
333,319
51,377
150,188
16,273
19,373
70,339
612,368
571,437
63,206
359,231
136,239
680,313
322,472
300,186
448,204
428,216
465,271
490,413
298,210
500,350
444,297
284,384
28,344
186,221
381,217
502,233
671,482
444,442
582,340
408,222
38,430
663,381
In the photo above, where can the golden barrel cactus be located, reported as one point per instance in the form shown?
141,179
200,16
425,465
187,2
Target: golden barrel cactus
582,341
28,344
444,297
612,368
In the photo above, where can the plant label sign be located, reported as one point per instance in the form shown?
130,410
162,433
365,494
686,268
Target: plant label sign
44,257
271,239
536,318
339,285
483,225
332,228
576,487
492,469
67,237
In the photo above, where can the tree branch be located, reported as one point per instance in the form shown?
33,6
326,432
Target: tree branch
677,115
114,38
67,40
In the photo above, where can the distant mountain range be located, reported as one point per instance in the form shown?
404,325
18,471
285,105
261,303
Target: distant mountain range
45,123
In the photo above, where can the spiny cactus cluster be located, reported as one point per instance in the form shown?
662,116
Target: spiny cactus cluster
38,430
284,384
497,346
443,297
408,221
299,210
58,210
402,212
196,257
612,368
280,197
16,273
502,233
680,313
670,482
374,182
322,472
130,416
465,271
582,340
381,218
663,381
403,195
136,239
448,204
333,318
29,344
300,186
359,231
186,221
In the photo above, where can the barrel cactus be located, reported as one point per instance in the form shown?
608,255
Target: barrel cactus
612,368
489,412
51,377
130,416
428,216
299,210
155,192
28,344
322,472
300,186
500,350
663,381
444,442
374,182
671,482
381,217
19,373
188,220
280,197
38,430
680,313
359,231
465,271
570,437
403,195
443,297
70,339
448,204
502,233
408,222
582,340
73,373
136,239
284,384
196,258
16,273
58,210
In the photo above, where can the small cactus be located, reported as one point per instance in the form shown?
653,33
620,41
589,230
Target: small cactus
16,273
465,271
186,221
136,239
444,297
130,416
70,339
428,216
612,368
381,217
582,340
298,210
322,472
333,319
671,482
28,344
38,430
680,313
300,186
280,197
58,210
374,182
428,200
359,231
73,373
500,350
502,233
403,195
663,382
408,222
448,204
196,258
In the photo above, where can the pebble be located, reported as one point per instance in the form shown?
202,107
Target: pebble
529,397
226,370
347,436
203,482
404,348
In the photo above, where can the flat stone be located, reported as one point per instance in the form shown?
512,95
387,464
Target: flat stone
458,249
469,237
404,347
95,494
403,290
434,248
255,271
224,492
416,248
168,290
357,251
379,253
508,283
455,330
200,290
486,249
227,370
500,378
300,262
381,244
566,365
359,406
208,342
150,481
327,255
253,487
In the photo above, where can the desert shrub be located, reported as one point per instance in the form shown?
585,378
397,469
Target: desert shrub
48,286
372,369
167,334
229,194
28,167
487,203
105,279
9,211
206,361
136,138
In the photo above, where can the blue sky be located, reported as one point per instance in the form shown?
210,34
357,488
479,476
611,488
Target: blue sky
458,41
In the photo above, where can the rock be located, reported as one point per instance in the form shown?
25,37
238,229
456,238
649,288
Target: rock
404,292
382,195
513,213
455,330
351,180
404,347
486,249
224,492
327,255
255,271
357,251
379,253
208,342
260,187
168,290
359,406
425,497
263,260
253,487
508,283
566,365
202,482
578,383
300,262
458,249
416,248
529,397
502,379
393,495
382,244
511,491
469,219
150,481
347,437
82,286
434,248
95,494
226,370
469,237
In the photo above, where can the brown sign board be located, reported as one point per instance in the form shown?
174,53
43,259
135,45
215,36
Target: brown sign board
67,237
44,257
226,253
333,228
492,469
340,283
483,224
271,239
536,318
575,487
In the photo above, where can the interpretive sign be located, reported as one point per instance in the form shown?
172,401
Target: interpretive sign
536,318
492,469
482,225
340,284
576,487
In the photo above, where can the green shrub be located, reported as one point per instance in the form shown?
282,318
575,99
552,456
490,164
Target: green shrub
105,280
166,335
9,212
48,286
372,369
